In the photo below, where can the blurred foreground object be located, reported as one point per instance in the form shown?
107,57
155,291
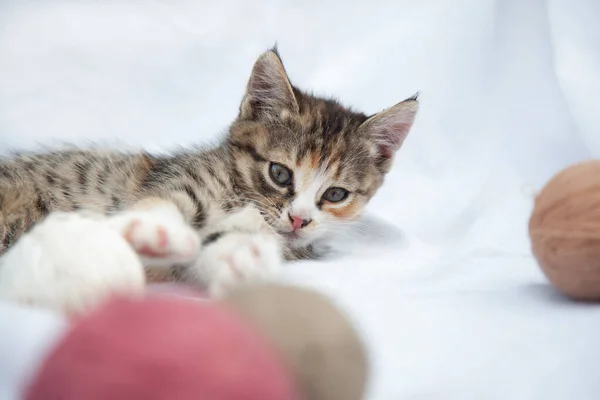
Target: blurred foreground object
565,230
161,348
320,346
262,342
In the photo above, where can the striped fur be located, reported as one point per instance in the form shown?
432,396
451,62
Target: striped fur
323,143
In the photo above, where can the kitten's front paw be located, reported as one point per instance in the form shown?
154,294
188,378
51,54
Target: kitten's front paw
161,239
238,258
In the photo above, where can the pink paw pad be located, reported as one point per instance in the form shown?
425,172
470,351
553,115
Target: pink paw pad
155,246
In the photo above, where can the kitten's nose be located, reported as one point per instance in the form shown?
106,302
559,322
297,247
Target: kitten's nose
298,222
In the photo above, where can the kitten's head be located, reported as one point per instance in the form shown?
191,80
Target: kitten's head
310,164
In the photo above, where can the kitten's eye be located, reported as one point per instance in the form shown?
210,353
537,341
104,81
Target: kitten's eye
281,175
335,194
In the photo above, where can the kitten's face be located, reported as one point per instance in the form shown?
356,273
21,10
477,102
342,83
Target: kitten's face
307,183
309,164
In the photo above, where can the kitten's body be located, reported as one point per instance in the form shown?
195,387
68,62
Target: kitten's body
293,167
106,181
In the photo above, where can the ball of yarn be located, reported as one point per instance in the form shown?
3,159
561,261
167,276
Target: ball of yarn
565,231
323,351
161,348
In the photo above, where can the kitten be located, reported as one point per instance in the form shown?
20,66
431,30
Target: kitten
292,169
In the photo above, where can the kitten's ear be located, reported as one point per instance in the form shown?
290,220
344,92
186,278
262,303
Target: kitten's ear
269,92
390,127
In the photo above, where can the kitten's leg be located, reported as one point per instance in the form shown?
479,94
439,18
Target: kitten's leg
241,248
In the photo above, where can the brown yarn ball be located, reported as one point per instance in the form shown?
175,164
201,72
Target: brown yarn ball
319,345
565,231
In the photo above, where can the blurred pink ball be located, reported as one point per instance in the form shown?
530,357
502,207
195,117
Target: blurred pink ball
161,348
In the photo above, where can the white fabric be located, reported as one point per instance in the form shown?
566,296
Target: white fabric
27,335
509,95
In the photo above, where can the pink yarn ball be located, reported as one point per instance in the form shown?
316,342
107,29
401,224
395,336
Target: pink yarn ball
161,348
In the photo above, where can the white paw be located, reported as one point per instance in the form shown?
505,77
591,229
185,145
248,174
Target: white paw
159,236
69,262
237,258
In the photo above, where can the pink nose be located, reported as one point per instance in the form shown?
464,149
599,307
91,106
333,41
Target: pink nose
298,222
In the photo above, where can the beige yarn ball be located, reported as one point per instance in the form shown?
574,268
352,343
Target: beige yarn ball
324,353
565,231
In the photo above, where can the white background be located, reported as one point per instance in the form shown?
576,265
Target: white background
445,291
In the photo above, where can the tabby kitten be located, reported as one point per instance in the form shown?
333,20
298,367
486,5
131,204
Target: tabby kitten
292,169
